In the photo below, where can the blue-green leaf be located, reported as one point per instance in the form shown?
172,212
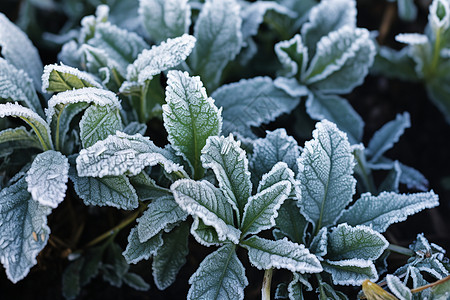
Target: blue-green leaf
18,138
190,117
251,102
47,178
350,271
204,234
293,54
325,173
291,222
23,230
319,244
407,10
398,288
220,276
378,212
137,250
165,18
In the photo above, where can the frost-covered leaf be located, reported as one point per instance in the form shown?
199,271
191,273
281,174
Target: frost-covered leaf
385,209
413,178
291,222
251,102
337,110
439,17
71,286
23,230
441,291
291,86
326,292
114,265
293,55
137,250
16,85
135,281
60,78
342,61
160,58
97,123
438,91
319,243
325,173
220,276
160,213
281,254
169,258
165,18
146,187
203,200
394,64
351,271
115,191
407,10
204,234
120,45
387,136
219,39
18,50
261,209
280,172
47,178
398,288
326,17
135,127
359,242
275,147
296,286
39,126
392,180
190,117
123,154
230,165
18,138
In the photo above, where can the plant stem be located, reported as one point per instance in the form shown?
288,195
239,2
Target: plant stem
267,281
400,250
436,52
143,108
421,288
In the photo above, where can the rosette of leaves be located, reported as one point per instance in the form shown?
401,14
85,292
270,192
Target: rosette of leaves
329,57
425,58
344,234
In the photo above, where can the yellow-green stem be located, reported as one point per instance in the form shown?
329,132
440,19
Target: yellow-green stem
419,289
436,52
267,281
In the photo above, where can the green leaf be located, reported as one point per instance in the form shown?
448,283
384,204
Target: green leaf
16,85
378,212
359,242
337,110
262,209
92,261
407,10
293,55
114,265
23,230
137,250
276,147
291,222
230,165
18,50
387,136
146,187
39,126
18,138
281,254
325,173
395,64
115,191
252,102
296,286
60,78
204,234
160,213
135,281
171,256
280,172
71,286
97,123
190,117
123,154
398,288
319,244
47,178
219,39
326,292
165,18
342,61
203,200
438,91
220,276
441,291
350,271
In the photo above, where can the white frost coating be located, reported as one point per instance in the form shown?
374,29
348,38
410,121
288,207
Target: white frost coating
220,275
87,95
165,18
361,242
351,271
69,70
204,237
262,209
205,201
283,51
123,154
325,174
398,288
291,86
412,38
38,124
378,212
230,165
160,58
47,178
137,251
319,243
281,254
18,50
280,172
436,22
